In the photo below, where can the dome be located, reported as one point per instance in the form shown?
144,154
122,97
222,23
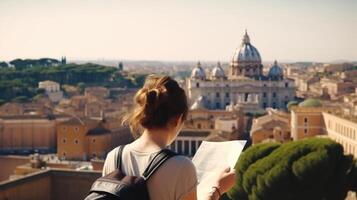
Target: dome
217,72
247,52
308,103
198,72
275,71
199,103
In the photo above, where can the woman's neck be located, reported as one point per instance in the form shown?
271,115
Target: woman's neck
153,139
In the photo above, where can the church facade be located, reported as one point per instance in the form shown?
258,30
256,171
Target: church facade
244,85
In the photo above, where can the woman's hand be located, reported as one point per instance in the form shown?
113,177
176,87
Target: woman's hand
226,180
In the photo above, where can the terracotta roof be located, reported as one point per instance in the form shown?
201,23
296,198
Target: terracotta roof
98,131
194,133
79,121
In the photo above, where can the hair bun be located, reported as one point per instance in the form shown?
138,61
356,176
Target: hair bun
152,98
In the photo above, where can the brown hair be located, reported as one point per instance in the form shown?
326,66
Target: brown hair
157,102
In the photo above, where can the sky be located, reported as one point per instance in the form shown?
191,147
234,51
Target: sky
181,30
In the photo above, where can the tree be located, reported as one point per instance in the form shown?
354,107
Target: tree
40,91
291,104
3,64
20,99
19,64
81,87
313,169
2,102
120,66
139,80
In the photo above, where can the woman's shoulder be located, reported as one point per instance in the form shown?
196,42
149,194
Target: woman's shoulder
181,163
112,153
181,160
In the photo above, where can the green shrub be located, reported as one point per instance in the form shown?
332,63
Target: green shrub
308,169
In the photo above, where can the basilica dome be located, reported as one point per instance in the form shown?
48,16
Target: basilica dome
198,72
218,72
275,71
246,61
247,52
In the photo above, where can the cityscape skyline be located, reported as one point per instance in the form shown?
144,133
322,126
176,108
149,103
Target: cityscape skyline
178,30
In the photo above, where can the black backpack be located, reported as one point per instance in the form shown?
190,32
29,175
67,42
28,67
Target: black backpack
118,186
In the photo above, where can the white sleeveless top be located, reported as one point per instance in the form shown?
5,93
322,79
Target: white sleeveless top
172,181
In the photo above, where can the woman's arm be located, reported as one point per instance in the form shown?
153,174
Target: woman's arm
224,183
191,195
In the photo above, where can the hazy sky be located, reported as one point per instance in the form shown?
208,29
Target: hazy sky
287,30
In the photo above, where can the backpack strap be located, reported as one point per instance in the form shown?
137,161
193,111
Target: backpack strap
118,156
157,161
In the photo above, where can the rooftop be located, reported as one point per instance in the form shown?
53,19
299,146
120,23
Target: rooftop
310,103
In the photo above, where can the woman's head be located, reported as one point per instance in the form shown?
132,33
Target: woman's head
158,104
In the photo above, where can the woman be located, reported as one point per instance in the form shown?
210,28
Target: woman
159,112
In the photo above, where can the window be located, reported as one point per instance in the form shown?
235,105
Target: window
179,146
64,140
93,140
193,148
274,105
218,105
76,141
199,143
264,105
264,94
187,147
286,84
217,94
227,94
64,154
305,120
274,94
199,126
76,129
173,146
305,131
197,85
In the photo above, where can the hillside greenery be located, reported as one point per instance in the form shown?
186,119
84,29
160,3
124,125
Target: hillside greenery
22,79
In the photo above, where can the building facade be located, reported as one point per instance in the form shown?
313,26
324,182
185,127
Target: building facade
275,126
245,84
343,131
25,134
52,89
